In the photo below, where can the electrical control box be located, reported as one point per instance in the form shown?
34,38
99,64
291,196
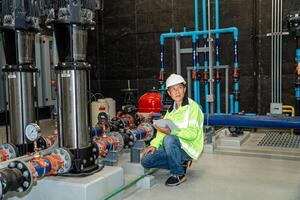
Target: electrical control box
276,108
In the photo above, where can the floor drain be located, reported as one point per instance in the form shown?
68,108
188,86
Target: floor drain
280,139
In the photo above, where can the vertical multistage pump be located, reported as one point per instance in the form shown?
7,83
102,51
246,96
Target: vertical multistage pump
18,25
71,21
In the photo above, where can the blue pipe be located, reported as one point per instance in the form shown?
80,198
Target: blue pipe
198,88
231,104
233,30
236,78
194,34
218,91
253,121
196,15
204,16
217,5
218,97
162,69
206,86
297,55
196,85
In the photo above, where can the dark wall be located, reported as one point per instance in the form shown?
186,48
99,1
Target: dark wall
125,46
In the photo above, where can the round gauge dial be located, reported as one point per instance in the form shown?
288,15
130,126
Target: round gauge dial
32,132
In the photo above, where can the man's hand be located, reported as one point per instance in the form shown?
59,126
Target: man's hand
164,130
149,150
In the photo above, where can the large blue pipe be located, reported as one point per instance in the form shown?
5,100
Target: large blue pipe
253,121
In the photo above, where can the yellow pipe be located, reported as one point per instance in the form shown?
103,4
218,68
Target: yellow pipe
291,110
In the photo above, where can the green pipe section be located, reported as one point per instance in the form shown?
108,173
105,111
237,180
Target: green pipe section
128,185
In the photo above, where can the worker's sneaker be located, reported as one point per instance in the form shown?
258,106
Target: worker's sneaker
175,180
186,164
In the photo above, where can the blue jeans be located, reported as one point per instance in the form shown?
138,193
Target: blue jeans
169,156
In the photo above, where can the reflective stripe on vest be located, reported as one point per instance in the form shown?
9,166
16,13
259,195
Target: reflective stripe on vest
189,149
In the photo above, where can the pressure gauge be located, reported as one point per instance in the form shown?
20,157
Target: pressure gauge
32,132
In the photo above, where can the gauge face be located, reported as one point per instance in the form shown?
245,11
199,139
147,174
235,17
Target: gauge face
32,132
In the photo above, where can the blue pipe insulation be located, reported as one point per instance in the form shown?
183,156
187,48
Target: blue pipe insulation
218,85
297,55
206,86
233,30
218,91
162,70
231,104
218,97
42,171
196,5
252,121
204,15
297,92
217,6
196,85
236,77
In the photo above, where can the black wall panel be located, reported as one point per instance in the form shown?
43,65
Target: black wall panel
126,45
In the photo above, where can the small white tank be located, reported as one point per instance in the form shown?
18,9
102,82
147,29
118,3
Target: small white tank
101,105
111,107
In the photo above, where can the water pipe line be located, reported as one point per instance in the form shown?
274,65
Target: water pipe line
218,85
196,7
254,121
211,95
236,77
231,104
205,60
162,71
164,36
196,82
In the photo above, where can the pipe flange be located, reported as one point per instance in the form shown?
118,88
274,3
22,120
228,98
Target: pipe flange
150,131
26,173
10,149
119,138
95,150
67,158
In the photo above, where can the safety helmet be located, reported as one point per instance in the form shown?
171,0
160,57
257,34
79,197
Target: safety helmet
174,79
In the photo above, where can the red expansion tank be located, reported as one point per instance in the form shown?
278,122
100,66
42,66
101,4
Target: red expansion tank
150,102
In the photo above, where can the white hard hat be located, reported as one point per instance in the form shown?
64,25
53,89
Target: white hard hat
174,79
